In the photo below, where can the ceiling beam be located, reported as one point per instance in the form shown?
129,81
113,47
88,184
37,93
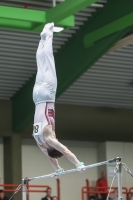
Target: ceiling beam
117,19
14,13
67,8
28,19
71,62
34,20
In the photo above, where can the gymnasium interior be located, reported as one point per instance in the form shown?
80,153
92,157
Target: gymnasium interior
93,52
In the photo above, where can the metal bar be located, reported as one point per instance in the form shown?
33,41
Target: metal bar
72,170
24,190
119,173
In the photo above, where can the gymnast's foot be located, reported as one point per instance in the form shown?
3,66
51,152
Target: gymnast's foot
47,30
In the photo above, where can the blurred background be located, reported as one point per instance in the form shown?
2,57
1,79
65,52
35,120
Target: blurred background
93,50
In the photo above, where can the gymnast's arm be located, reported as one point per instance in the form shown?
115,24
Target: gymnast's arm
63,149
53,161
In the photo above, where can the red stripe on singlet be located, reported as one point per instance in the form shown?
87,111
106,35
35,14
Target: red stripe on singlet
46,113
50,113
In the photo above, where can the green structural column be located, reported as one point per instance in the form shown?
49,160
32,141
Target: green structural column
12,161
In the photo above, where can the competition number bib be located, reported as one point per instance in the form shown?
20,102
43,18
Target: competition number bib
37,129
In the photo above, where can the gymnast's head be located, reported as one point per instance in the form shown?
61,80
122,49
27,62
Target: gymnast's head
53,153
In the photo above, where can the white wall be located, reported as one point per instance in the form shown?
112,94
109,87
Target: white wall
1,162
34,163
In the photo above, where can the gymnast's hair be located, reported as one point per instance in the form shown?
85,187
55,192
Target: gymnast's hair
53,153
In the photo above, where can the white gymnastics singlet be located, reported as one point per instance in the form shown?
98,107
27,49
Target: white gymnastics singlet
44,90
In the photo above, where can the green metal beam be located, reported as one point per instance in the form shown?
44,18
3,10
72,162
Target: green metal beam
67,23
67,8
34,20
71,62
27,19
79,58
22,14
115,21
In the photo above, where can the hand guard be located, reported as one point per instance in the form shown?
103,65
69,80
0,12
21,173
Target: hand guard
58,171
80,167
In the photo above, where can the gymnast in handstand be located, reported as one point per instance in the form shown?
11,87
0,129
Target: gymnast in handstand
44,98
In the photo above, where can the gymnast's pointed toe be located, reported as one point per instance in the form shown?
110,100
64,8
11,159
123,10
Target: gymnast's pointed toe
47,30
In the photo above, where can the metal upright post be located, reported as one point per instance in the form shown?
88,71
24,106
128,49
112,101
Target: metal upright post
24,189
119,176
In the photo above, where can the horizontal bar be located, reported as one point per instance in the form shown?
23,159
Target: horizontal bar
71,170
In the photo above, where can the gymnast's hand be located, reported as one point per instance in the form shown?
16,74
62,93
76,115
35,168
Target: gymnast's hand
57,173
80,167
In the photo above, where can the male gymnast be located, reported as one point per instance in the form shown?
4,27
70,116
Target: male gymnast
44,92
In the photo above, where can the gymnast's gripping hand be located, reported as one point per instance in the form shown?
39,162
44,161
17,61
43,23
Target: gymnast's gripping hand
57,172
80,167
